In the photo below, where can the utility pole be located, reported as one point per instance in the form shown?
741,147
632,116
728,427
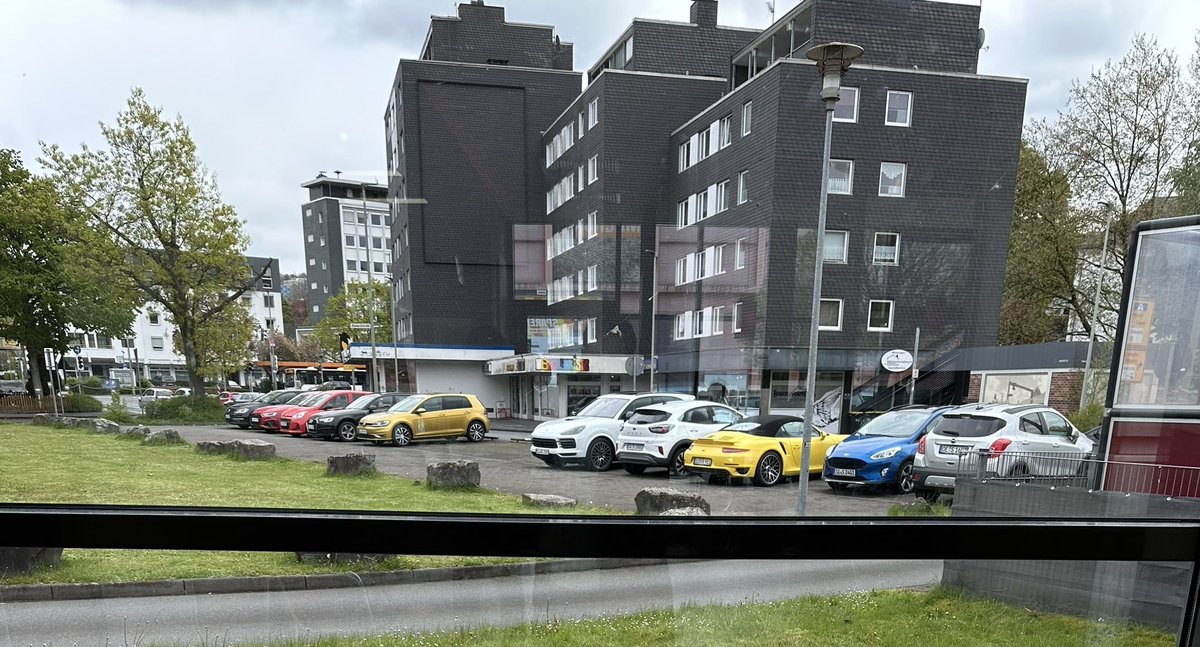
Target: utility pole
916,371
371,289
653,314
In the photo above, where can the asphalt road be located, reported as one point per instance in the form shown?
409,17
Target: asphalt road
507,465
306,615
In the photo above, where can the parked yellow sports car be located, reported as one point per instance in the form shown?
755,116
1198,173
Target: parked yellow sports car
764,448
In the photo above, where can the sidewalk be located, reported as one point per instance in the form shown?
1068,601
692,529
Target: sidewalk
515,425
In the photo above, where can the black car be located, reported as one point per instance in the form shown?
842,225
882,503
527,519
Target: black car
238,415
342,424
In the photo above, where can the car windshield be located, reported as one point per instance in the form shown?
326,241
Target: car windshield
967,425
363,403
896,424
604,408
407,404
307,400
752,427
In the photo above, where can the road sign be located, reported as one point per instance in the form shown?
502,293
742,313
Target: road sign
360,326
77,350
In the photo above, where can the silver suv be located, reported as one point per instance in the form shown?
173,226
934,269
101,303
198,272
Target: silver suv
1011,441
590,437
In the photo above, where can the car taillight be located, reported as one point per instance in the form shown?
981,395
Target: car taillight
659,429
733,450
921,446
999,445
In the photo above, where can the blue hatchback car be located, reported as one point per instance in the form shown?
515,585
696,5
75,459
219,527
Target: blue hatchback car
881,453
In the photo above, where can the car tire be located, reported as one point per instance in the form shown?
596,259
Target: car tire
635,469
401,435
769,470
347,431
929,496
904,478
838,487
675,465
1018,471
476,431
600,455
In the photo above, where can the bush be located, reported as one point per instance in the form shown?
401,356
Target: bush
76,403
144,383
192,409
1088,417
116,410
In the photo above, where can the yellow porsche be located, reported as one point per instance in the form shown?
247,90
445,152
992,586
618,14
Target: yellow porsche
763,448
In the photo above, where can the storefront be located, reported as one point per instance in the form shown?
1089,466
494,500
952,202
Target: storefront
543,386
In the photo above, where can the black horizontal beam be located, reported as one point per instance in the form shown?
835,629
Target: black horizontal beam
187,528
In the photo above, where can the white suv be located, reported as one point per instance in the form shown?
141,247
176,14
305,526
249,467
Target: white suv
658,435
590,436
1009,441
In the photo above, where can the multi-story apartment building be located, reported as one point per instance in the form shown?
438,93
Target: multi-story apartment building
694,155
342,241
149,348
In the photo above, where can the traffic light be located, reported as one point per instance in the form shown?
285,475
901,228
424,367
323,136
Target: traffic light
344,338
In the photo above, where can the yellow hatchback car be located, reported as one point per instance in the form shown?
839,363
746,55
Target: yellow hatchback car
439,415
763,448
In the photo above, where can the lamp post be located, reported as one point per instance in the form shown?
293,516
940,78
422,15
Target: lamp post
653,314
833,59
1087,364
370,287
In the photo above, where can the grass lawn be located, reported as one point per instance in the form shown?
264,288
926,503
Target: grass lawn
881,618
45,465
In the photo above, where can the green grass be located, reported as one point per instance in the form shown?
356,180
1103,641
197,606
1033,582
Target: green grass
47,465
919,508
874,619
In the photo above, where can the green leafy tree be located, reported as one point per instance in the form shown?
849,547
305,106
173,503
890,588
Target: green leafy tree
223,343
150,200
52,275
352,306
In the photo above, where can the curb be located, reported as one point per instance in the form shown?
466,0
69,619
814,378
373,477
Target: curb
217,585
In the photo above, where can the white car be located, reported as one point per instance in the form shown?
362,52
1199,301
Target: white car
150,395
1009,441
658,435
590,437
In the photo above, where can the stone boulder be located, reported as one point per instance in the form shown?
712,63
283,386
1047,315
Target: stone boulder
68,421
253,449
215,447
547,501
137,433
105,426
684,512
18,561
654,501
79,423
350,465
163,437
448,475
43,419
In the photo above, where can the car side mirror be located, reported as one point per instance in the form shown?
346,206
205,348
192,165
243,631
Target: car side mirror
420,411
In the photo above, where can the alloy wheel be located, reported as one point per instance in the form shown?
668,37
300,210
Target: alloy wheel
401,436
475,431
600,455
904,479
346,431
770,469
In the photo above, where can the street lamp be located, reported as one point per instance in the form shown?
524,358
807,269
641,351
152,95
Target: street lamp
833,59
653,314
1087,365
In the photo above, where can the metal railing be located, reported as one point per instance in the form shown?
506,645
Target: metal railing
1073,469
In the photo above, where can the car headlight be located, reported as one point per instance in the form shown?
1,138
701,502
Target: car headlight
884,454
325,419
270,414
379,423
829,451
574,430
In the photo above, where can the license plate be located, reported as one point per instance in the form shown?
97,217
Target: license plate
842,471
702,462
954,450
634,447
541,450
227,416
254,419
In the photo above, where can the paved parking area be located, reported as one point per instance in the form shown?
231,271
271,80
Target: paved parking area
506,465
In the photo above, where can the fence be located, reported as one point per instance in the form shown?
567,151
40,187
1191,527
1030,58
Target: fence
1062,469
25,404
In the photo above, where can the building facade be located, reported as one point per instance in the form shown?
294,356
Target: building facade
343,241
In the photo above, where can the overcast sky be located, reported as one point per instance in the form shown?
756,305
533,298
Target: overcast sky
276,90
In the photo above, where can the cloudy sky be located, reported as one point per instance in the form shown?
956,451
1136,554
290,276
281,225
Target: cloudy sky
276,90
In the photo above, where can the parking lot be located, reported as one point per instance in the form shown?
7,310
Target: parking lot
506,465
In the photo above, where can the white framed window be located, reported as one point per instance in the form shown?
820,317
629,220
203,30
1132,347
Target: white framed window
831,315
593,168
700,322
846,109
891,179
322,241
702,141
579,233
681,271
683,216
308,213
324,265
887,248
747,108
737,317
312,262
739,253
722,197
899,109
700,266
325,288
683,325
718,256
549,154
701,206
879,316
157,343
154,318
313,285
841,176
310,238
581,180
593,113
836,246
717,326
351,240
724,131
743,187
316,308
685,156
580,283
321,218
591,330
352,265
580,126
592,278
592,229
348,216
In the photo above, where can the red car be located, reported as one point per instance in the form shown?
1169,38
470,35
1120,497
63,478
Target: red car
294,420
267,418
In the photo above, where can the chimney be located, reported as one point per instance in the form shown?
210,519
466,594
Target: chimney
704,13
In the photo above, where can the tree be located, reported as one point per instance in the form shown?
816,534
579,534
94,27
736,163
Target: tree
152,203
223,343
351,306
1121,133
287,350
1042,254
52,276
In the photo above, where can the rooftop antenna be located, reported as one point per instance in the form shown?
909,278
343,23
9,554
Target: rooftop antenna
771,8
321,174
338,173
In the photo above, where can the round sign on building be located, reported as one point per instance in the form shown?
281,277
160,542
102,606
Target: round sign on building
897,360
